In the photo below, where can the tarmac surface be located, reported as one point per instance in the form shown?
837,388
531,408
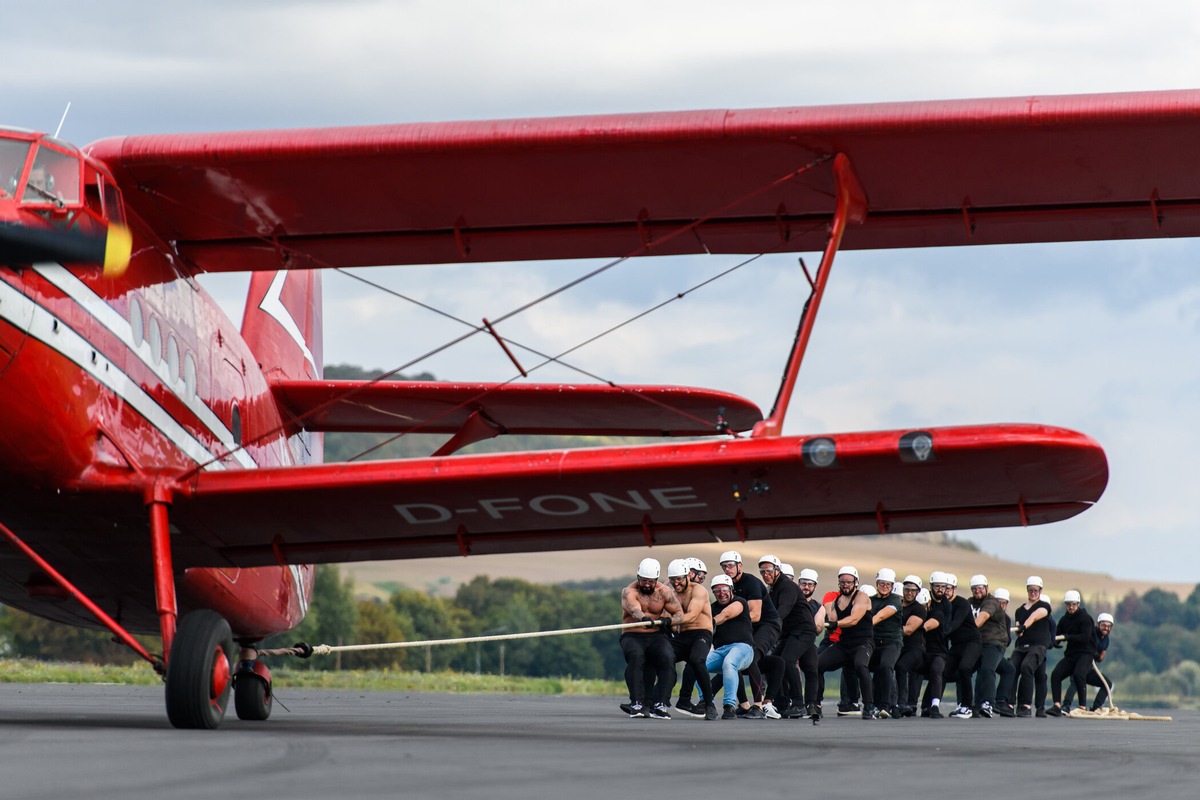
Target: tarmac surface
99,742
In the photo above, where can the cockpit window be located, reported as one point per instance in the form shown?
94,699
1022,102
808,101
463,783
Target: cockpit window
12,161
53,178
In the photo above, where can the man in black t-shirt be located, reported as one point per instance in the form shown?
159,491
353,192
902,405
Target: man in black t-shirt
797,641
766,627
1035,634
733,638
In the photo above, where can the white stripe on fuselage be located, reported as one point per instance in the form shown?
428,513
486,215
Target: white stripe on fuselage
119,326
27,315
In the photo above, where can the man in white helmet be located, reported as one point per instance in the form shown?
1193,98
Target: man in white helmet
850,613
993,639
692,637
1104,626
1035,635
889,638
936,621
797,643
733,641
765,617
1079,631
911,661
1005,674
647,600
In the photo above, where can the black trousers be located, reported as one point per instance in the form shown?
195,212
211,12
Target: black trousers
883,668
791,655
1028,663
691,647
960,665
858,658
908,676
652,650
934,669
1078,666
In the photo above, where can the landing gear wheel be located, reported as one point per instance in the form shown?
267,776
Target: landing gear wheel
199,671
251,696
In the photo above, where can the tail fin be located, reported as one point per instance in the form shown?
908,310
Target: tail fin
282,323
282,326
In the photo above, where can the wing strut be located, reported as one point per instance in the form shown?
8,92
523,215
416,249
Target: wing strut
851,206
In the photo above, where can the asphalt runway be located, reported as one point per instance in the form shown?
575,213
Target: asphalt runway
99,742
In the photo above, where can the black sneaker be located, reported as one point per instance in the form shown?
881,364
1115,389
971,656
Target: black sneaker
635,710
1041,713
1024,711
849,709
870,712
754,712
1006,710
729,713
658,711
792,712
710,711
984,710
935,712
688,710
908,711
814,711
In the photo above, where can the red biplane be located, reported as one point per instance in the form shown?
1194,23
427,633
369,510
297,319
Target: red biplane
162,470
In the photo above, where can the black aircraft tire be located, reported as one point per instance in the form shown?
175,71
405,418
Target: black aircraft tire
251,697
199,671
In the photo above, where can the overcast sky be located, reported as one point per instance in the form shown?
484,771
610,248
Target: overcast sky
1101,337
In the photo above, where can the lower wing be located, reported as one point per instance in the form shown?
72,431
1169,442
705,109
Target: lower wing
729,490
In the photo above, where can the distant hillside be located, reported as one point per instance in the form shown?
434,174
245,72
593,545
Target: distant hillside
906,553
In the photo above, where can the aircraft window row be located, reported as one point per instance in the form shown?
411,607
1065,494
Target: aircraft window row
177,368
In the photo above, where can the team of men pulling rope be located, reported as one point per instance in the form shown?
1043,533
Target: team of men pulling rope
887,644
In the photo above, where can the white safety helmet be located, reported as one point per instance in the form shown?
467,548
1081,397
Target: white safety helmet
1034,580
649,568
885,574
869,591
851,571
952,579
696,564
1105,617
787,569
808,575
731,555
770,559
1002,594
923,597
677,569
915,580
722,580
938,577
1072,596
978,580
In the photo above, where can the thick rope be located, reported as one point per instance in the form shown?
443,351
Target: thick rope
304,651
1110,711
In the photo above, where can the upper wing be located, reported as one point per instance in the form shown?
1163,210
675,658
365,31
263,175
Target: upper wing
617,497
936,173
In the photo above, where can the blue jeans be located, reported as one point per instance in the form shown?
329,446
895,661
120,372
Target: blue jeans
730,659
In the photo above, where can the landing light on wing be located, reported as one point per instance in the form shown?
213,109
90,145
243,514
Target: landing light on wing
819,452
916,446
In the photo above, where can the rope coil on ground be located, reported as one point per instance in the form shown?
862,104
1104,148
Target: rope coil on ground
304,650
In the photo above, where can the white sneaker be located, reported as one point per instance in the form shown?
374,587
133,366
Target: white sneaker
962,712
769,711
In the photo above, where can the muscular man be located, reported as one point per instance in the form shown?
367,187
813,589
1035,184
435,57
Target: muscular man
647,600
993,640
692,638
797,640
912,652
1079,631
850,613
766,626
733,641
1104,625
1034,637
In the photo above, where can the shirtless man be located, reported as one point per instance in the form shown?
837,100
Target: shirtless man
693,635
647,600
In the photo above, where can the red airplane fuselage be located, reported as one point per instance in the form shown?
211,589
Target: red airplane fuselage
108,383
